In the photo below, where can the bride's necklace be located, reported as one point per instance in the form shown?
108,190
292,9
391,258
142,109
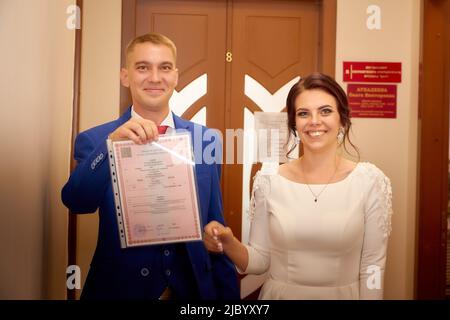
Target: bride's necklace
316,196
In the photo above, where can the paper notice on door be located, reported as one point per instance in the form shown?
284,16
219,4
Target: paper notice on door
272,136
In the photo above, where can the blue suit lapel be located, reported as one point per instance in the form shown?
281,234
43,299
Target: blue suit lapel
193,248
181,123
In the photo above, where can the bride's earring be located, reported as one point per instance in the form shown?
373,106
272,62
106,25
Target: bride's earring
340,135
297,139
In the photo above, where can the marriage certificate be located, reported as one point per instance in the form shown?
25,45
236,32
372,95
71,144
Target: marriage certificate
155,191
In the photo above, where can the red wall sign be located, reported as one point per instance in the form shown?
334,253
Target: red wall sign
372,100
373,72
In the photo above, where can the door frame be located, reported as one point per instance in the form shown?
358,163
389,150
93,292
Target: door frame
433,155
72,218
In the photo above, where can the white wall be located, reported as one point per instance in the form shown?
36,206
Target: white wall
36,99
391,144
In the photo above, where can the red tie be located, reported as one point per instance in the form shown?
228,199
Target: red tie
162,129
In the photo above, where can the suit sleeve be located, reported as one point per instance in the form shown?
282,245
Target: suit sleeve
87,184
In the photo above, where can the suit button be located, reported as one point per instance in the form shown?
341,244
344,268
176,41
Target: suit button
166,252
144,272
167,272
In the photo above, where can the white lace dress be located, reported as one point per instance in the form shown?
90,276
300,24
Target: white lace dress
334,248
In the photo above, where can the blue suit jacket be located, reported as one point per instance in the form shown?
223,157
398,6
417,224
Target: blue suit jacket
116,272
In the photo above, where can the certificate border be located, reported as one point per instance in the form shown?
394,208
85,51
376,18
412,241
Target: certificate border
116,191
124,224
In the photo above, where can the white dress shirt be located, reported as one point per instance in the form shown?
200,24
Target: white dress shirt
168,121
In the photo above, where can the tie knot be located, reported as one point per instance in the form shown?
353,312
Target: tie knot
162,129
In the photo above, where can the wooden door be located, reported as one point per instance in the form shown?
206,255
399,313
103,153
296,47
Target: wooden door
434,156
273,44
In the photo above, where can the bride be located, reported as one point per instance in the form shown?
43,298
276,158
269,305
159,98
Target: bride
320,225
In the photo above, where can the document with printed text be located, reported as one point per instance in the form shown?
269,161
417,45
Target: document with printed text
155,191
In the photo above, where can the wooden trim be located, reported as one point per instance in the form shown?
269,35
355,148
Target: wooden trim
194,108
128,34
328,20
433,187
225,177
72,223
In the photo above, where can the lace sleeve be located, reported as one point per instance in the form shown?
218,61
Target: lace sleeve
259,240
377,228
385,218
260,190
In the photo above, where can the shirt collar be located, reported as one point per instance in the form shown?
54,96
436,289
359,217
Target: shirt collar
168,121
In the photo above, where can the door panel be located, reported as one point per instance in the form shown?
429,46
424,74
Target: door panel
274,43
198,30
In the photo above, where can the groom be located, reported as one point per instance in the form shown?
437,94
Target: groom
174,271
